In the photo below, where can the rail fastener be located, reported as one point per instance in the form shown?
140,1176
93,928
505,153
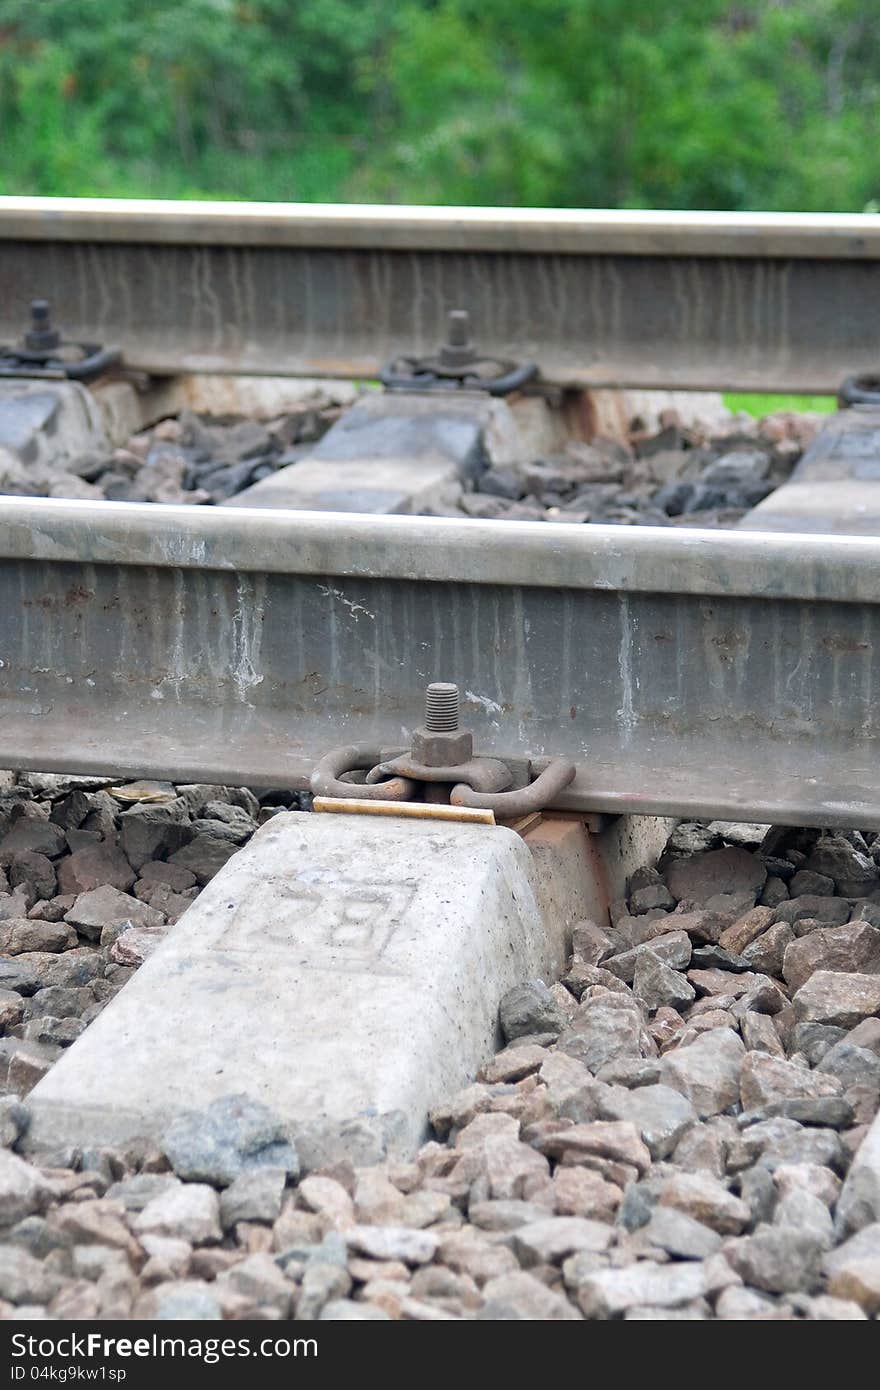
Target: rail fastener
440,767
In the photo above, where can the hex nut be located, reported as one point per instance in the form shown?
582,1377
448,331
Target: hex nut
442,750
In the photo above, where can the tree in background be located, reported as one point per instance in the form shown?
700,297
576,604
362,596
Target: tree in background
627,103
184,98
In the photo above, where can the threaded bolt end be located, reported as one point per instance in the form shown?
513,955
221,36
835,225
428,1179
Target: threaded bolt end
40,336
458,327
441,707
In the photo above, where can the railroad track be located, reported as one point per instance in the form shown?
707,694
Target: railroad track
620,650
358,962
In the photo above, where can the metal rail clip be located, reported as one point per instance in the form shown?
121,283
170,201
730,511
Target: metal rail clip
439,767
42,352
859,390
458,366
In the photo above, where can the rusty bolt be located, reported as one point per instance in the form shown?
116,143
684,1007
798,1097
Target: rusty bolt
41,336
441,743
458,350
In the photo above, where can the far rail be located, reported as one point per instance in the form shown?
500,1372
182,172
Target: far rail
749,301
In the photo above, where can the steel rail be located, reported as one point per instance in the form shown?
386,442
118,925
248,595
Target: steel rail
652,299
687,673
365,226
628,560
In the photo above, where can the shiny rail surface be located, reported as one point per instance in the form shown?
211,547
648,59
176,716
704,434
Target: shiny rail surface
688,673
651,299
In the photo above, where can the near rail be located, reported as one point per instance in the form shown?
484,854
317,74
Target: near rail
685,673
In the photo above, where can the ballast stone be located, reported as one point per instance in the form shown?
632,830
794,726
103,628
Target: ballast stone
729,870
839,998
348,993
530,1008
859,1202
233,1136
47,425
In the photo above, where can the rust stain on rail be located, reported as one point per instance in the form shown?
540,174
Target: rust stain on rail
73,597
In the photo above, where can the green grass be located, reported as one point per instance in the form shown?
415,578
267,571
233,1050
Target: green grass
757,404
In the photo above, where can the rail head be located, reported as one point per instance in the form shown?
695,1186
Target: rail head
540,231
717,564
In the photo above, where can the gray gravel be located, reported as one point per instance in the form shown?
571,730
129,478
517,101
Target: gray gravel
668,1132
702,474
92,877
189,459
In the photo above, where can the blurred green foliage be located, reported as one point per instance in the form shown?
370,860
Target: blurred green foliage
760,403
727,104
